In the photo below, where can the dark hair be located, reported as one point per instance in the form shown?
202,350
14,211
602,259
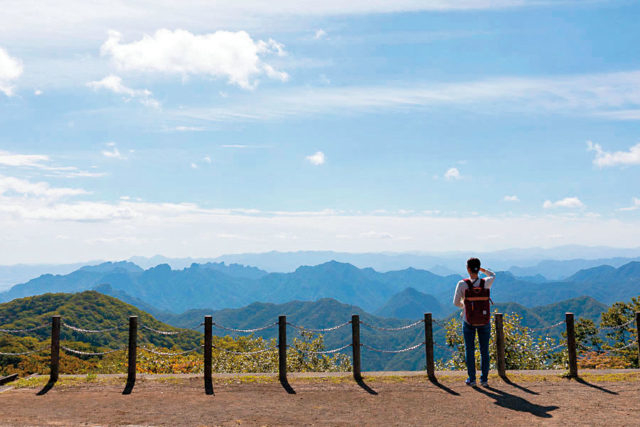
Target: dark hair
473,264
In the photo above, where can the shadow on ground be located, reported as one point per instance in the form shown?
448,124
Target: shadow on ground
519,387
516,403
597,387
365,387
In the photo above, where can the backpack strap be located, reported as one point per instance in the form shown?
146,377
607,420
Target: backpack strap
482,283
469,283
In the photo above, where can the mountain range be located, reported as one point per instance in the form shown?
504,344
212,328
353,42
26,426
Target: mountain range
217,285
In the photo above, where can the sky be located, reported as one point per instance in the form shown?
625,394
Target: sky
200,128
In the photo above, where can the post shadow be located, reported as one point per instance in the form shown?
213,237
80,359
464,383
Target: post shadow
128,388
518,386
285,384
597,387
48,386
435,382
365,387
516,403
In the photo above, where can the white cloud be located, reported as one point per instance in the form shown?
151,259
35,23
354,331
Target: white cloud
42,162
317,158
183,229
10,70
452,174
513,198
223,54
21,187
617,158
194,166
37,92
567,202
114,153
320,34
24,160
207,159
634,206
114,84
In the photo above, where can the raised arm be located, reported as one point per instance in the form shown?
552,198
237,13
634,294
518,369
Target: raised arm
488,273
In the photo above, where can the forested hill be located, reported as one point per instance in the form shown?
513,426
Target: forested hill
326,313
90,310
216,286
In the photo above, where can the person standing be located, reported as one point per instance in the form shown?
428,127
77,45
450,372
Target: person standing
472,295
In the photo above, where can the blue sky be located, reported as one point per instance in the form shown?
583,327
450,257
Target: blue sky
204,128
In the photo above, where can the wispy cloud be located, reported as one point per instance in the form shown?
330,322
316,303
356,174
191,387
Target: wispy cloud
635,205
320,34
616,158
318,158
113,152
223,54
11,185
10,70
587,95
43,162
114,84
567,202
513,198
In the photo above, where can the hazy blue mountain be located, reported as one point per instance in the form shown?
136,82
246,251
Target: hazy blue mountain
562,269
451,261
20,273
219,286
410,304
235,270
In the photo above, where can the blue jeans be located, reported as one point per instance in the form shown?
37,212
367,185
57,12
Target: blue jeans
484,333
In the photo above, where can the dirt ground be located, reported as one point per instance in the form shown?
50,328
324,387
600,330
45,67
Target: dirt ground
597,399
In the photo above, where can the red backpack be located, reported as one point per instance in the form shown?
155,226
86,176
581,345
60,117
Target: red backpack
477,304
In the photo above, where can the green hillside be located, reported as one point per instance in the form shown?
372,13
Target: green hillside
90,310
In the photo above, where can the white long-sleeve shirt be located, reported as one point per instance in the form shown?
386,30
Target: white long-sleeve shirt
458,297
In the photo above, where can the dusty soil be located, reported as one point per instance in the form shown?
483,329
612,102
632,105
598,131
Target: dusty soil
338,400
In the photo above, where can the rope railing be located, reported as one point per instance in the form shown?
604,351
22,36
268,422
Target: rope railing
571,344
25,353
614,327
173,353
246,331
335,350
163,332
17,331
330,329
90,331
401,328
86,353
245,353
546,328
402,350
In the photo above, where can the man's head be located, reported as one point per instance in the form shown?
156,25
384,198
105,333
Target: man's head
473,265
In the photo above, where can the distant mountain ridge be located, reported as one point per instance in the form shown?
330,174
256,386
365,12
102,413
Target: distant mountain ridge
217,286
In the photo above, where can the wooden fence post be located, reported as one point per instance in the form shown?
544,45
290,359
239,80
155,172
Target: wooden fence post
571,346
428,345
55,349
282,349
638,333
355,343
133,348
208,331
500,356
